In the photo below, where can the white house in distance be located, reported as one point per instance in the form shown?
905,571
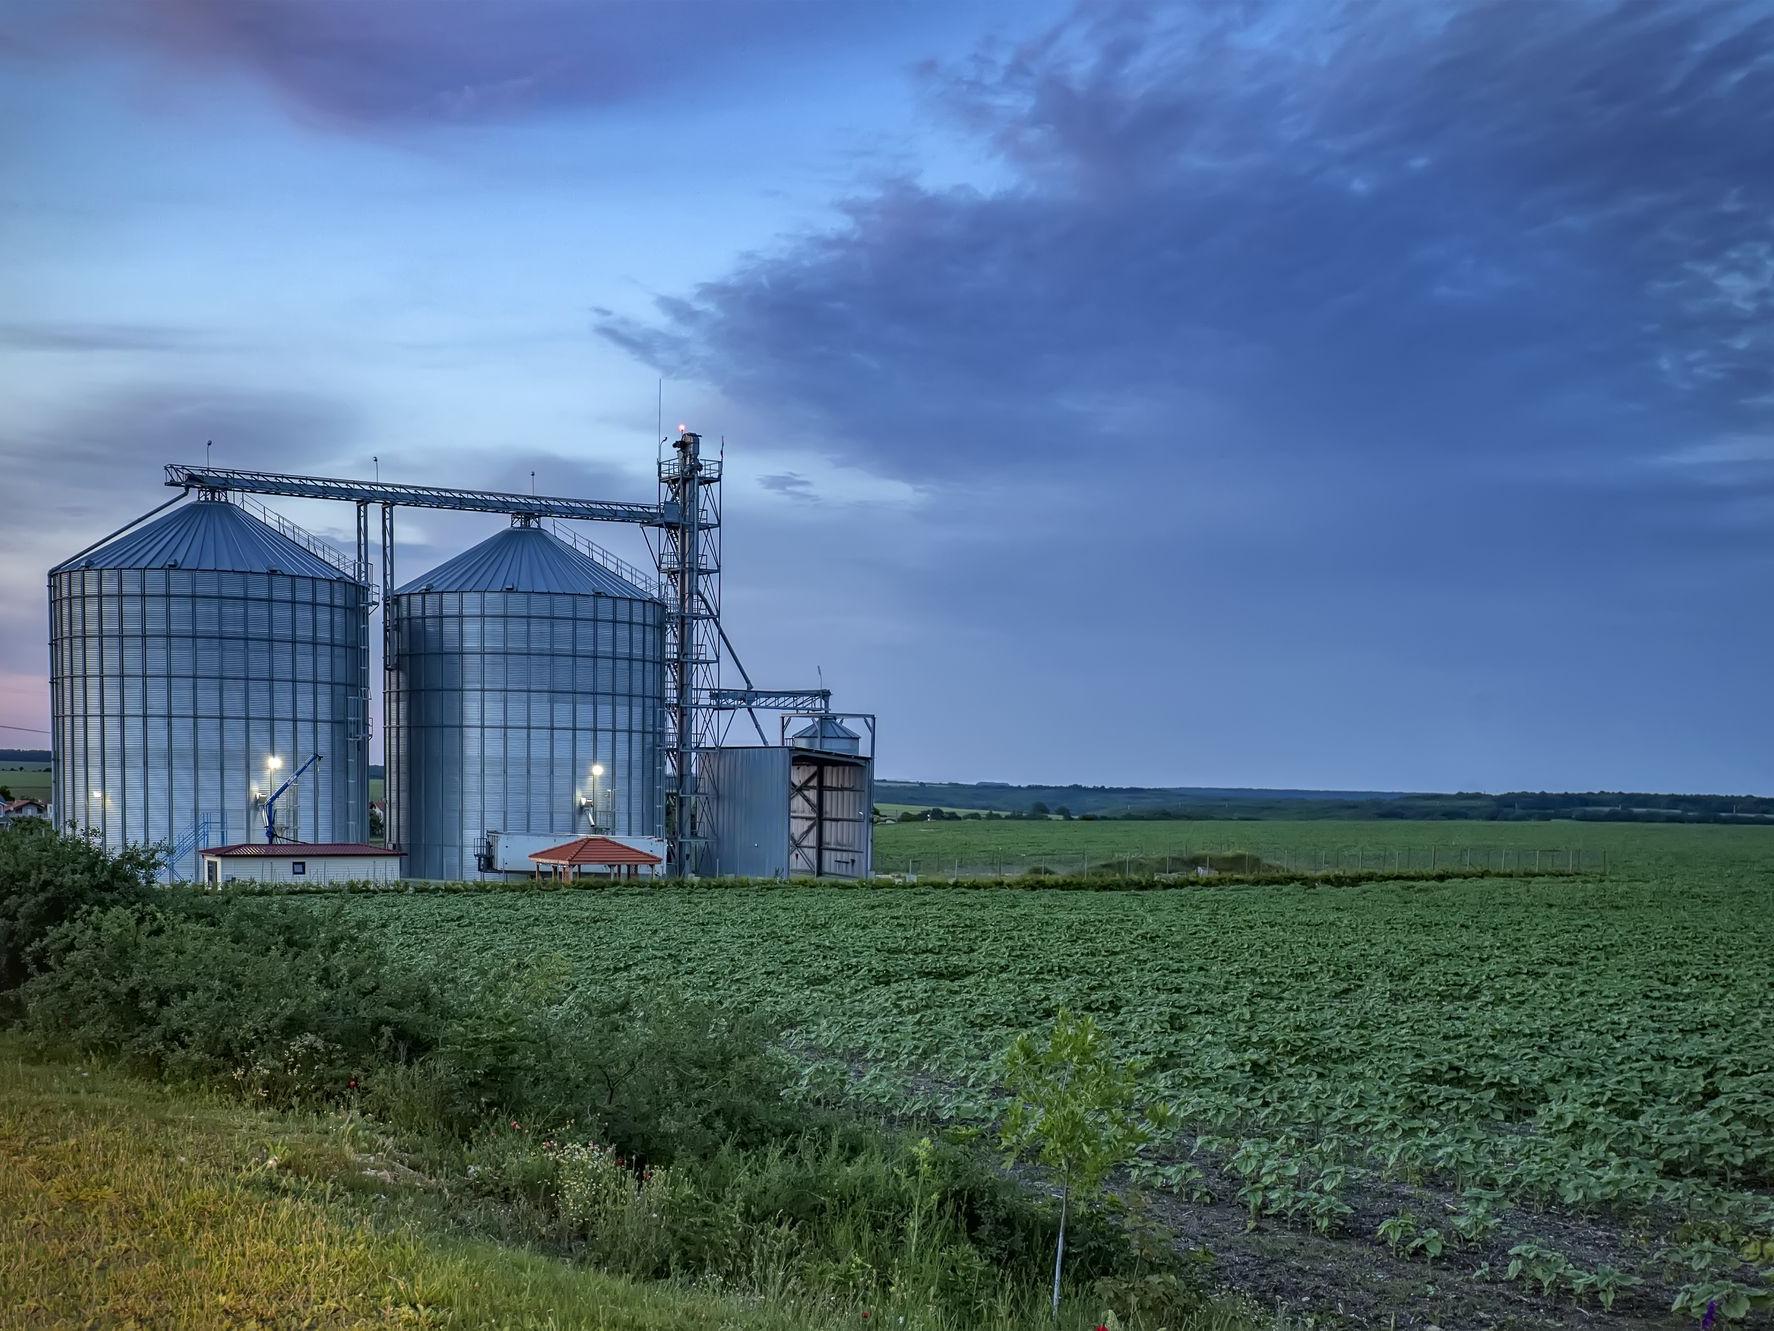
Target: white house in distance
300,863
17,810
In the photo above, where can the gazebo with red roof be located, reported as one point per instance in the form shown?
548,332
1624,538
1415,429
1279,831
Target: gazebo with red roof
600,855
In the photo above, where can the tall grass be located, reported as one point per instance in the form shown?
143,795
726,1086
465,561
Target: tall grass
128,1203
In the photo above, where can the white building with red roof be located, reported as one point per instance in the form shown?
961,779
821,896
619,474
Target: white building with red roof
300,863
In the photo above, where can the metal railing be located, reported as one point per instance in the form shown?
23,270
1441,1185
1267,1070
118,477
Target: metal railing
350,567
639,576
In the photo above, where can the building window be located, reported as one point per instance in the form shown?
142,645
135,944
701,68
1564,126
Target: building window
298,867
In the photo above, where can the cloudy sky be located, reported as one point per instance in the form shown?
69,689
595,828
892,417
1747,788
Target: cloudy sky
1337,393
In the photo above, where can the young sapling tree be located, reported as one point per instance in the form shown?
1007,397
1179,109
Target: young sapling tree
1076,1111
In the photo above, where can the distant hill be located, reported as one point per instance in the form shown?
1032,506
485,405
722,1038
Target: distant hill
1116,801
24,756
1221,803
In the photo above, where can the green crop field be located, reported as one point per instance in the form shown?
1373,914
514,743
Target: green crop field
1484,1094
977,844
26,780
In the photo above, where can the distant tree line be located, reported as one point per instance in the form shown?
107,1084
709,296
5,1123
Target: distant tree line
1108,804
1036,812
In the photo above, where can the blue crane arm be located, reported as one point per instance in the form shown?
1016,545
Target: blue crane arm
274,796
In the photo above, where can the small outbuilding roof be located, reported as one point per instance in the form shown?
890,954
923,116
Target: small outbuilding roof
829,734
293,850
594,850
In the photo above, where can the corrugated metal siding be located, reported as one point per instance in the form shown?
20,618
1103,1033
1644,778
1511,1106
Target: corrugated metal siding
212,535
502,700
749,789
169,687
524,559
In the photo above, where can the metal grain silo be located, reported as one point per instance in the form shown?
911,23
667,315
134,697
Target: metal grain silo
519,667
185,653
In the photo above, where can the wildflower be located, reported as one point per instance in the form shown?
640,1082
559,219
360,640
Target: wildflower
351,1085
514,1125
1712,1315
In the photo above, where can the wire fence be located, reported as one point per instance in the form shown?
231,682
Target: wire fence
1307,861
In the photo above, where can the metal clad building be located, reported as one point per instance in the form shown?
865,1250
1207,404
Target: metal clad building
788,812
183,654
516,667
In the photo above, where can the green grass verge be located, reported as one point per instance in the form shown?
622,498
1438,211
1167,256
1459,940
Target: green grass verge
126,1204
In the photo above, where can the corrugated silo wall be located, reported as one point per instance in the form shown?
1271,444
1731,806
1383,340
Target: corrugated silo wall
170,687
499,703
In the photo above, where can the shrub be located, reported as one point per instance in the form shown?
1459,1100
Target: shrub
287,1005
867,1210
648,1222
48,876
669,1079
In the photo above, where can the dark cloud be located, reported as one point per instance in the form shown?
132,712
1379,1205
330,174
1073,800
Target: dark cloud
1311,373
1375,230
117,444
789,483
417,62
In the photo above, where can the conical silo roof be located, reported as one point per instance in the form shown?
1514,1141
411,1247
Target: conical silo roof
209,534
524,559
827,733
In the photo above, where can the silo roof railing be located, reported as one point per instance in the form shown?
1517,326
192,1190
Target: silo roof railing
616,564
302,537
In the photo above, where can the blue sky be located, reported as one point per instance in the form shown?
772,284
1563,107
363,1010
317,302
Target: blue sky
1353,394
